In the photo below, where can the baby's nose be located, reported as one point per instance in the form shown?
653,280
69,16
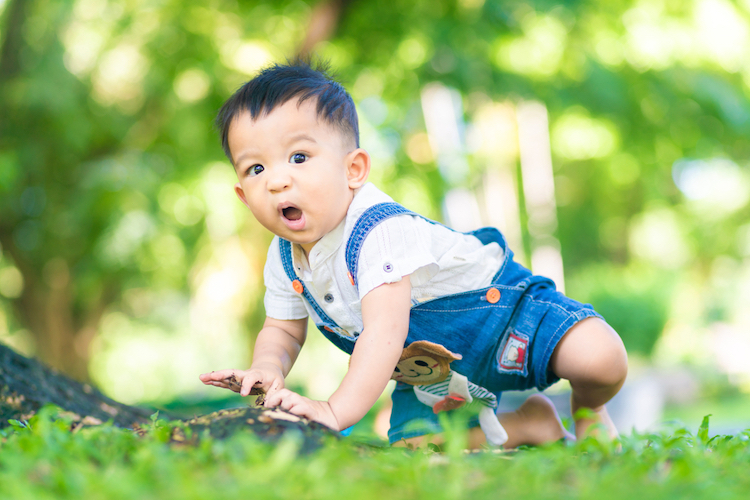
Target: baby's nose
279,180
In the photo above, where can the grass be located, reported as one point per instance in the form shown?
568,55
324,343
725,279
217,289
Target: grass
43,459
729,412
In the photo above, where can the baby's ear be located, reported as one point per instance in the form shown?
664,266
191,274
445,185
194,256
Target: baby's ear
357,168
241,194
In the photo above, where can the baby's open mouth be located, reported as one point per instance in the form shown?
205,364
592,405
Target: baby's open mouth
292,213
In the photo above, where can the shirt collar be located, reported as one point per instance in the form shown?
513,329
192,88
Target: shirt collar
364,197
322,251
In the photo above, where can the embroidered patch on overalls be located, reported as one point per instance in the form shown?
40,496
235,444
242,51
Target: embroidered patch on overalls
513,356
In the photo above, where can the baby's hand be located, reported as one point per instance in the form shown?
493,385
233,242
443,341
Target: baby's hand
320,411
267,377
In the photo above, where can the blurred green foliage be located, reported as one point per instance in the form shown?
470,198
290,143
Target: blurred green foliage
115,198
634,302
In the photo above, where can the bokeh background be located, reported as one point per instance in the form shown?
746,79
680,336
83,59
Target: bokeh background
609,139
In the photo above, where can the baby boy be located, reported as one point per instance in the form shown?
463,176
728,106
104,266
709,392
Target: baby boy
376,277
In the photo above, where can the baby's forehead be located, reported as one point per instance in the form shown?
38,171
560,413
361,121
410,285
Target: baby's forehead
312,119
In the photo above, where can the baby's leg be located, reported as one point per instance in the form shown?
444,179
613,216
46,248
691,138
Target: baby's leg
534,422
592,357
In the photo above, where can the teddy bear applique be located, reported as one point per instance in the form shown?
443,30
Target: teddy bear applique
426,366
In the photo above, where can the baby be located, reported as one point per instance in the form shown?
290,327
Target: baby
376,278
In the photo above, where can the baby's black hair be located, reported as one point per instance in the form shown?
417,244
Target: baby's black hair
277,84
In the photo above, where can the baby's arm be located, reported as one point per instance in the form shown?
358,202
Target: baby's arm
276,350
385,314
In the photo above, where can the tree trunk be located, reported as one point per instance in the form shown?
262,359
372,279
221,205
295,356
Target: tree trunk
61,334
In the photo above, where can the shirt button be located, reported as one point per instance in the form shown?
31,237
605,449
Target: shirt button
328,298
387,267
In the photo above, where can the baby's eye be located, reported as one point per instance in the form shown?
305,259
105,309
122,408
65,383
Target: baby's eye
298,158
255,170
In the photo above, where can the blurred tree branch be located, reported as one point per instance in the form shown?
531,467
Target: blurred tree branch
324,22
15,17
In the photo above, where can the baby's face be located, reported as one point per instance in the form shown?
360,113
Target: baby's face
293,170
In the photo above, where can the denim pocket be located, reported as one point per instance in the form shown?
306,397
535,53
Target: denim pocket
515,351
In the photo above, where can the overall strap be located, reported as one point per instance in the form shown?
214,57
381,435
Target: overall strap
366,223
382,211
285,248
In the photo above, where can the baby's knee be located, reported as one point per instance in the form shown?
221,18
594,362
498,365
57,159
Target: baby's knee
609,368
591,354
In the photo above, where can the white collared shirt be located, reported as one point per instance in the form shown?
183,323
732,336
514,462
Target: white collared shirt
438,261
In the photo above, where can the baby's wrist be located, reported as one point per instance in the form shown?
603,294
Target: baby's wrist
266,366
338,423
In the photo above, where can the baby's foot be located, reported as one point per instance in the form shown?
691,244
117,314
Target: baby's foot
537,423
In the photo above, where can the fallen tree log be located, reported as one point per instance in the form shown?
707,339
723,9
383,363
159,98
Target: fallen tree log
26,385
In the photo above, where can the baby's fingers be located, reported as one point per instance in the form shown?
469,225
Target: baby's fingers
226,379
247,385
215,383
293,403
216,376
283,398
275,386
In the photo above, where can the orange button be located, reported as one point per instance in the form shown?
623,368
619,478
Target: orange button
297,285
493,295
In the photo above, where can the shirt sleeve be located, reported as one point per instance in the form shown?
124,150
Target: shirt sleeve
396,247
281,301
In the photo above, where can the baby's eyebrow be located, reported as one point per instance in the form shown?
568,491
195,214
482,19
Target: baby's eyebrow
301,137
243,155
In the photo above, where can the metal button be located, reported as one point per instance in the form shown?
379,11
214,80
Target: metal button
328,298
387,267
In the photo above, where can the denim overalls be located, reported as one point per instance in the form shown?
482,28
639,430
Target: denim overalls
505,332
